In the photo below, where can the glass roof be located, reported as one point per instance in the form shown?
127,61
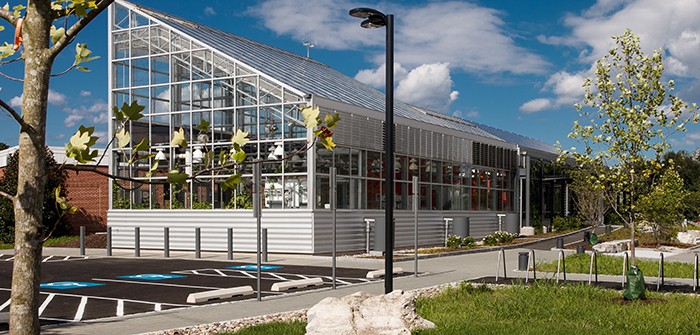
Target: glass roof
309,76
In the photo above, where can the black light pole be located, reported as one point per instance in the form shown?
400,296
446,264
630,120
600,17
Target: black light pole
377,19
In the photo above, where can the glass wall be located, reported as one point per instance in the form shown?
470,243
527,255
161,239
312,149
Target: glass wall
443,185
184,85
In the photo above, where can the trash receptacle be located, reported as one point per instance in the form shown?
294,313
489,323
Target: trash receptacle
580,249
523,257
460,227
512,224
560,243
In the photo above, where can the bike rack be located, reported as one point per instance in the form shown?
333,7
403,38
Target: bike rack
624,269
501,252
561,264
660,275
594,260
531,260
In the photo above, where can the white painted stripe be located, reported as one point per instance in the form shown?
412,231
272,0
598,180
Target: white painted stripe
7,303
221,273
67,257
102,298
337,280
158,308
302,276
248,274
47,258
120,307
81,309
46,303
195,272
277,276
9,259
154,284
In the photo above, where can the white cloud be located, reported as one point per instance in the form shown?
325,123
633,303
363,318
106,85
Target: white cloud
471,115
377,77
454,95
85,93
208,10
96,113
103,138
16,101
536,105
689,140
428,86
467,36
55,98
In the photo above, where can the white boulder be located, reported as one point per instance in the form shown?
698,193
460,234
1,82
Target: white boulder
364,314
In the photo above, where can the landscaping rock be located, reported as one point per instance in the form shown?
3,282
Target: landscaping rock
689,237
614,246
362,313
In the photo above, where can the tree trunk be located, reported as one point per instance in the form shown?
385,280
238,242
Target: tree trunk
26,273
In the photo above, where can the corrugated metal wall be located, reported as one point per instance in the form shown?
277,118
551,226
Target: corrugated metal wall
289,231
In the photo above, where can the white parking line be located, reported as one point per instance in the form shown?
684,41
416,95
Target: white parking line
338,280
120,307
277,276
248,274
81,309
9,259
221,273
47,258
7,303
46,303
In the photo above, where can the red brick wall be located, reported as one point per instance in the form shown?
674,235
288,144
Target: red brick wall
89,192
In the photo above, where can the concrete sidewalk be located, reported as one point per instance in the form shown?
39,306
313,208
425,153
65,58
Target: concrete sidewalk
434,271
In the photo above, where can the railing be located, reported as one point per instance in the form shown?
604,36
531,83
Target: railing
594,261
660,274
531,260
561,264
625,267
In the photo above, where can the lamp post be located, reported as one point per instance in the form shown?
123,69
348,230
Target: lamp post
377,19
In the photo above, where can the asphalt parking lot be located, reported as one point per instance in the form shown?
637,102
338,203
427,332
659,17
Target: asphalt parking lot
76,288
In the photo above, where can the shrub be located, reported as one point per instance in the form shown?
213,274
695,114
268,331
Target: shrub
499,237
456,242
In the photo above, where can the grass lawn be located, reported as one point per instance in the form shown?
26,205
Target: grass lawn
51,241
543,308
612,265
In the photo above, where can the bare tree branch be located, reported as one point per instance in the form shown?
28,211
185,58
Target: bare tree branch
65,71
11,78
16,116
8,196
73,31
8,16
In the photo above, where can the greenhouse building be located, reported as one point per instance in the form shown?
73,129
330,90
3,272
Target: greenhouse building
209,83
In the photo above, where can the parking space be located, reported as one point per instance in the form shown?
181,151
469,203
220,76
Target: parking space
82,288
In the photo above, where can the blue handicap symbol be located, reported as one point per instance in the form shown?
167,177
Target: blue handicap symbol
64,285
151,276
254,267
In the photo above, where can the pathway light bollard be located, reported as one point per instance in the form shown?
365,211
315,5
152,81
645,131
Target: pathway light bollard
580,249
560,243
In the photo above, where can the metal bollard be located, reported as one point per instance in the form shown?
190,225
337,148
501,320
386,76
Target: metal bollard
229,246
580,249
137,242
109,241
82,240
166,242
264,245
560,243
197,243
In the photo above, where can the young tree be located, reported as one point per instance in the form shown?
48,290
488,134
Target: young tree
39,42
664,204
633,113
588,193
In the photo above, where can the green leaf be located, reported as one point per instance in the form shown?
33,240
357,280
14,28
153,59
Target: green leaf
239,156
175,177
240,138
203,126
310,116
153,169
133,112
143,146
117,113
232,181
56,34
223,157
331,120
123,137
179,138
327,142
81,51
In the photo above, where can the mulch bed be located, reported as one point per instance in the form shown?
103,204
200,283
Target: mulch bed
96,241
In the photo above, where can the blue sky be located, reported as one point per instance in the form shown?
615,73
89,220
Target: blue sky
514,65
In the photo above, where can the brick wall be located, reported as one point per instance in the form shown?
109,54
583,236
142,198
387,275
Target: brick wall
89,192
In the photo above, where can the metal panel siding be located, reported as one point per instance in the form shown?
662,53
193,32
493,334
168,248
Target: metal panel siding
288,230
351,236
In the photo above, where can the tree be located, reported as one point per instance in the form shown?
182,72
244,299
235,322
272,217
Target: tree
588,192
42,42
3,146
664,205
54,220
633,113
688,167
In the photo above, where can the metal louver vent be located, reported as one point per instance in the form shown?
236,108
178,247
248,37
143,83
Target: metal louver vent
401,136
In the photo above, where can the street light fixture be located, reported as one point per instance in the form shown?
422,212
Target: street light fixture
376,19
